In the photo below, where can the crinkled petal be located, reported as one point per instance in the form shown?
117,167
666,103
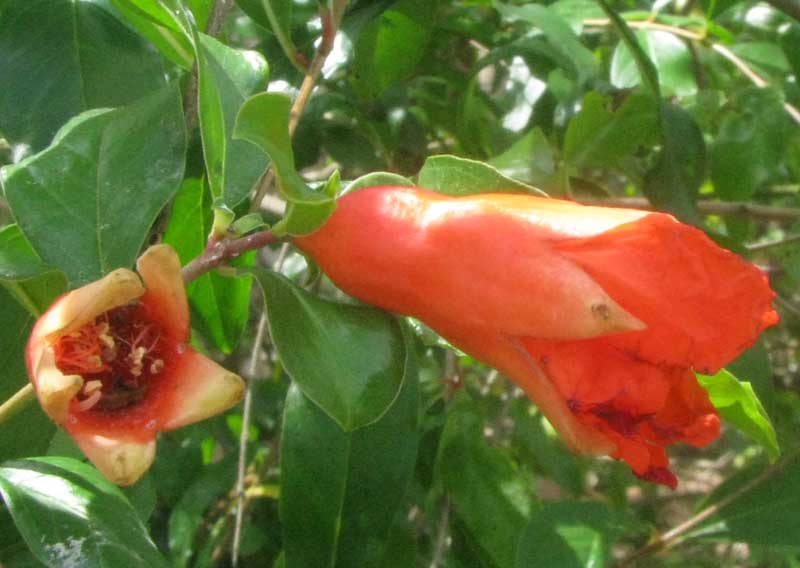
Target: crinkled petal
703,305
122,460
640,406
201,388
165,297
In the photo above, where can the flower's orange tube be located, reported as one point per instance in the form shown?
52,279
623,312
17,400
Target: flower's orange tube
600,315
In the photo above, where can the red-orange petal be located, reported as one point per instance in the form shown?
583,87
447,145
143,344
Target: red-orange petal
703,305
640,406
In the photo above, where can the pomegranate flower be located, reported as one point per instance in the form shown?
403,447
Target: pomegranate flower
600,315
110,364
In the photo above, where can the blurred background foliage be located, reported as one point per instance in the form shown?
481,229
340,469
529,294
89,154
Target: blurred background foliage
688,106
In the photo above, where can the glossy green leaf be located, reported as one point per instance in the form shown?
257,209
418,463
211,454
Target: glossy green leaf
559,34
350,360
165,24
389,48
226,78
530,159
767,514
264,121
599,137
492,498
571,534
220,305
376,179
60,58
342,490
34,284
70,515
647,71
673,182
452,175
669,54
29,431
738,404
87,202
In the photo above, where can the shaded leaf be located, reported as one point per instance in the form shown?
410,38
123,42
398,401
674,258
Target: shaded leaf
350,360
491,497
32,283
530,160
70,515
165,24
452,175
342,490
571,534
389,47
376,179
673,183
87,203
600,137
59,58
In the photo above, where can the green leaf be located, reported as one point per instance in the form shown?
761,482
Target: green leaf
750,144
765,57
226,78
220,304
452,175
647,71
87,202
264,121
530,160
768,514
673,182
350,360
389,48
61,57
70,515
571,534
492,498
599,137
376,179
29,431
34,284
738,404
558,33
342,490
669,54
165,24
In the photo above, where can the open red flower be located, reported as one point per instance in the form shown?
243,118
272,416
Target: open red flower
600,315
110,364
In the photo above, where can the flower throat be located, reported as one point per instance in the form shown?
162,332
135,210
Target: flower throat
118,355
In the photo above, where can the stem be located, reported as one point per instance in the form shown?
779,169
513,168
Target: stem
17,402
241,497
771,244
331,18
708,207
671,537
740,64
441,538
218,251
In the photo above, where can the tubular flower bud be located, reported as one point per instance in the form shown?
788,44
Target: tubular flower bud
110,363
601,315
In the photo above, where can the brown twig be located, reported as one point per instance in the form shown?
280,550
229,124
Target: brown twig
219,251
772,244
672,536
331,18
707,206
